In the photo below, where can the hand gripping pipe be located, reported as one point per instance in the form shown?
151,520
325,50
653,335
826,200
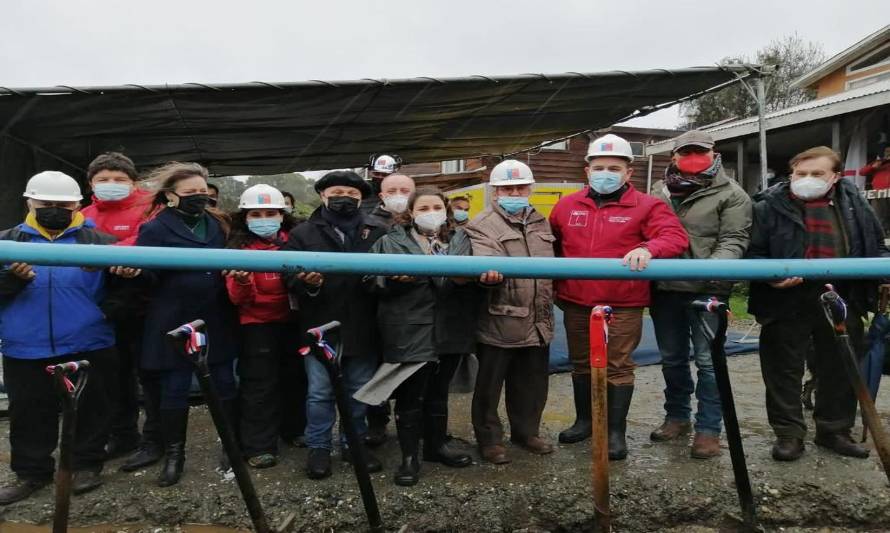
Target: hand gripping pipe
437,265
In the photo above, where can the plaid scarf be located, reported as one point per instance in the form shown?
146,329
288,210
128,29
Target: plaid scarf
682,186
824,232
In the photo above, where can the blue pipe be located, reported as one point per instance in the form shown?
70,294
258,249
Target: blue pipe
516,267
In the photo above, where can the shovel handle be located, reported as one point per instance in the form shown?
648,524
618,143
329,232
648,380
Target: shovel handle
319,331
68,368
186,329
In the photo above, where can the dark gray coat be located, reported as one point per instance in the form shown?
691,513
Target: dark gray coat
412,317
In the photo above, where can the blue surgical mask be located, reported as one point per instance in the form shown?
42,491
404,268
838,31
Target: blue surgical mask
604,181
112,192
264,227
460,215
513,204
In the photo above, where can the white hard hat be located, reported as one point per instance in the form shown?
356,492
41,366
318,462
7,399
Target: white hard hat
262,196
385,164
53,186
511,172
609,146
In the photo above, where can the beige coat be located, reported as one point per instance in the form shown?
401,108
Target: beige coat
519,312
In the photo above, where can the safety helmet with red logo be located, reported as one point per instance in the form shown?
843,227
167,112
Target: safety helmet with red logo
511,172
610,145
262,196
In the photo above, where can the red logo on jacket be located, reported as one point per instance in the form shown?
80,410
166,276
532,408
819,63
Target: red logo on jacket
578,219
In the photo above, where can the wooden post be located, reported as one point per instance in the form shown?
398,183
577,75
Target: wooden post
599,440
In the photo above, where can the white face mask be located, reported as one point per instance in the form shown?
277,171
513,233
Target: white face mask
431,221
809,187
396,203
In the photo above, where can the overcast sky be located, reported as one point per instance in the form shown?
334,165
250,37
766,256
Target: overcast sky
102,42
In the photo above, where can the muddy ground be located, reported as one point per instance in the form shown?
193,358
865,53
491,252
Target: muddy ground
659,488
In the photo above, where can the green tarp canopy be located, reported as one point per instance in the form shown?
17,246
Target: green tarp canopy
270,128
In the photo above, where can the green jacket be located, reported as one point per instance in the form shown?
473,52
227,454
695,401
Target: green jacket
718,221
417,318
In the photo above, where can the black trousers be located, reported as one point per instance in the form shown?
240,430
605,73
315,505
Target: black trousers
436,400
272,389
784,347
125,410
34,407
410,393
525,373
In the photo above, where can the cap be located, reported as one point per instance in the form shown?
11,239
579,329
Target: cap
694,138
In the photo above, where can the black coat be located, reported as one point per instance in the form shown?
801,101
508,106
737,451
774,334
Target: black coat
421,319
779,232
341,296
180,296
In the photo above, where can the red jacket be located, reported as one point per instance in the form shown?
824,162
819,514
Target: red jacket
584,230
880,174
121,218
264,298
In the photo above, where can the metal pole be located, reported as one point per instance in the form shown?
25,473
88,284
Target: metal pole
649,176
761,123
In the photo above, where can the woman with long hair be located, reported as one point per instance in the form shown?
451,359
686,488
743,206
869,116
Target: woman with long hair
272,377
184,219
409,317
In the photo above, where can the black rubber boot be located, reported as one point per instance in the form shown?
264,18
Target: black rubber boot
408,427
174,423
436,443
618,399
583,426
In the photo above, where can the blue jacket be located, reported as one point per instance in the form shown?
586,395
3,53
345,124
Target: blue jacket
56,313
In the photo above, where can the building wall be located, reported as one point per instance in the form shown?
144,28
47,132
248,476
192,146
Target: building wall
832,83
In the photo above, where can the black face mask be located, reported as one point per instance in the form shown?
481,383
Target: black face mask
342,205
193,204
53,218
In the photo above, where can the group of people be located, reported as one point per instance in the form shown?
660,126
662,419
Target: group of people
403,337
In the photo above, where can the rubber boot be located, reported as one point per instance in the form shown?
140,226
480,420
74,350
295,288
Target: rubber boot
436,446
618,399
408,427
151,449
174,423
583,426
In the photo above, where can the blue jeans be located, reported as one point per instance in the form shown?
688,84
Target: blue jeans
676,327
321,411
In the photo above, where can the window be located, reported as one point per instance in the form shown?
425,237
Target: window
868,80
881,56
562,145
638,149
452,167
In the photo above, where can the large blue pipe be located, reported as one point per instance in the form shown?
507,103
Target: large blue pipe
516,267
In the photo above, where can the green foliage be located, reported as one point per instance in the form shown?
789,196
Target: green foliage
230,190
792,56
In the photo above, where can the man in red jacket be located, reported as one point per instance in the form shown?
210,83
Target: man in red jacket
119,208
609,218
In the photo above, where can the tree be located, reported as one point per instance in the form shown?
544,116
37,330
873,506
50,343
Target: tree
792,57
230,189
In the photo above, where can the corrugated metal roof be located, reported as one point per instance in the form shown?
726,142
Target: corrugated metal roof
873,95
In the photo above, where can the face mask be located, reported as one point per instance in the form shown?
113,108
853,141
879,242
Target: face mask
288,210
604,181
396,203
342,205
112,192
193,204
513,204
430,222
460,215
694,163
53,218
264,227
809,188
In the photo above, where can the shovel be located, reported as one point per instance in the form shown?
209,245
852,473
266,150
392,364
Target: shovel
70,393
330,358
